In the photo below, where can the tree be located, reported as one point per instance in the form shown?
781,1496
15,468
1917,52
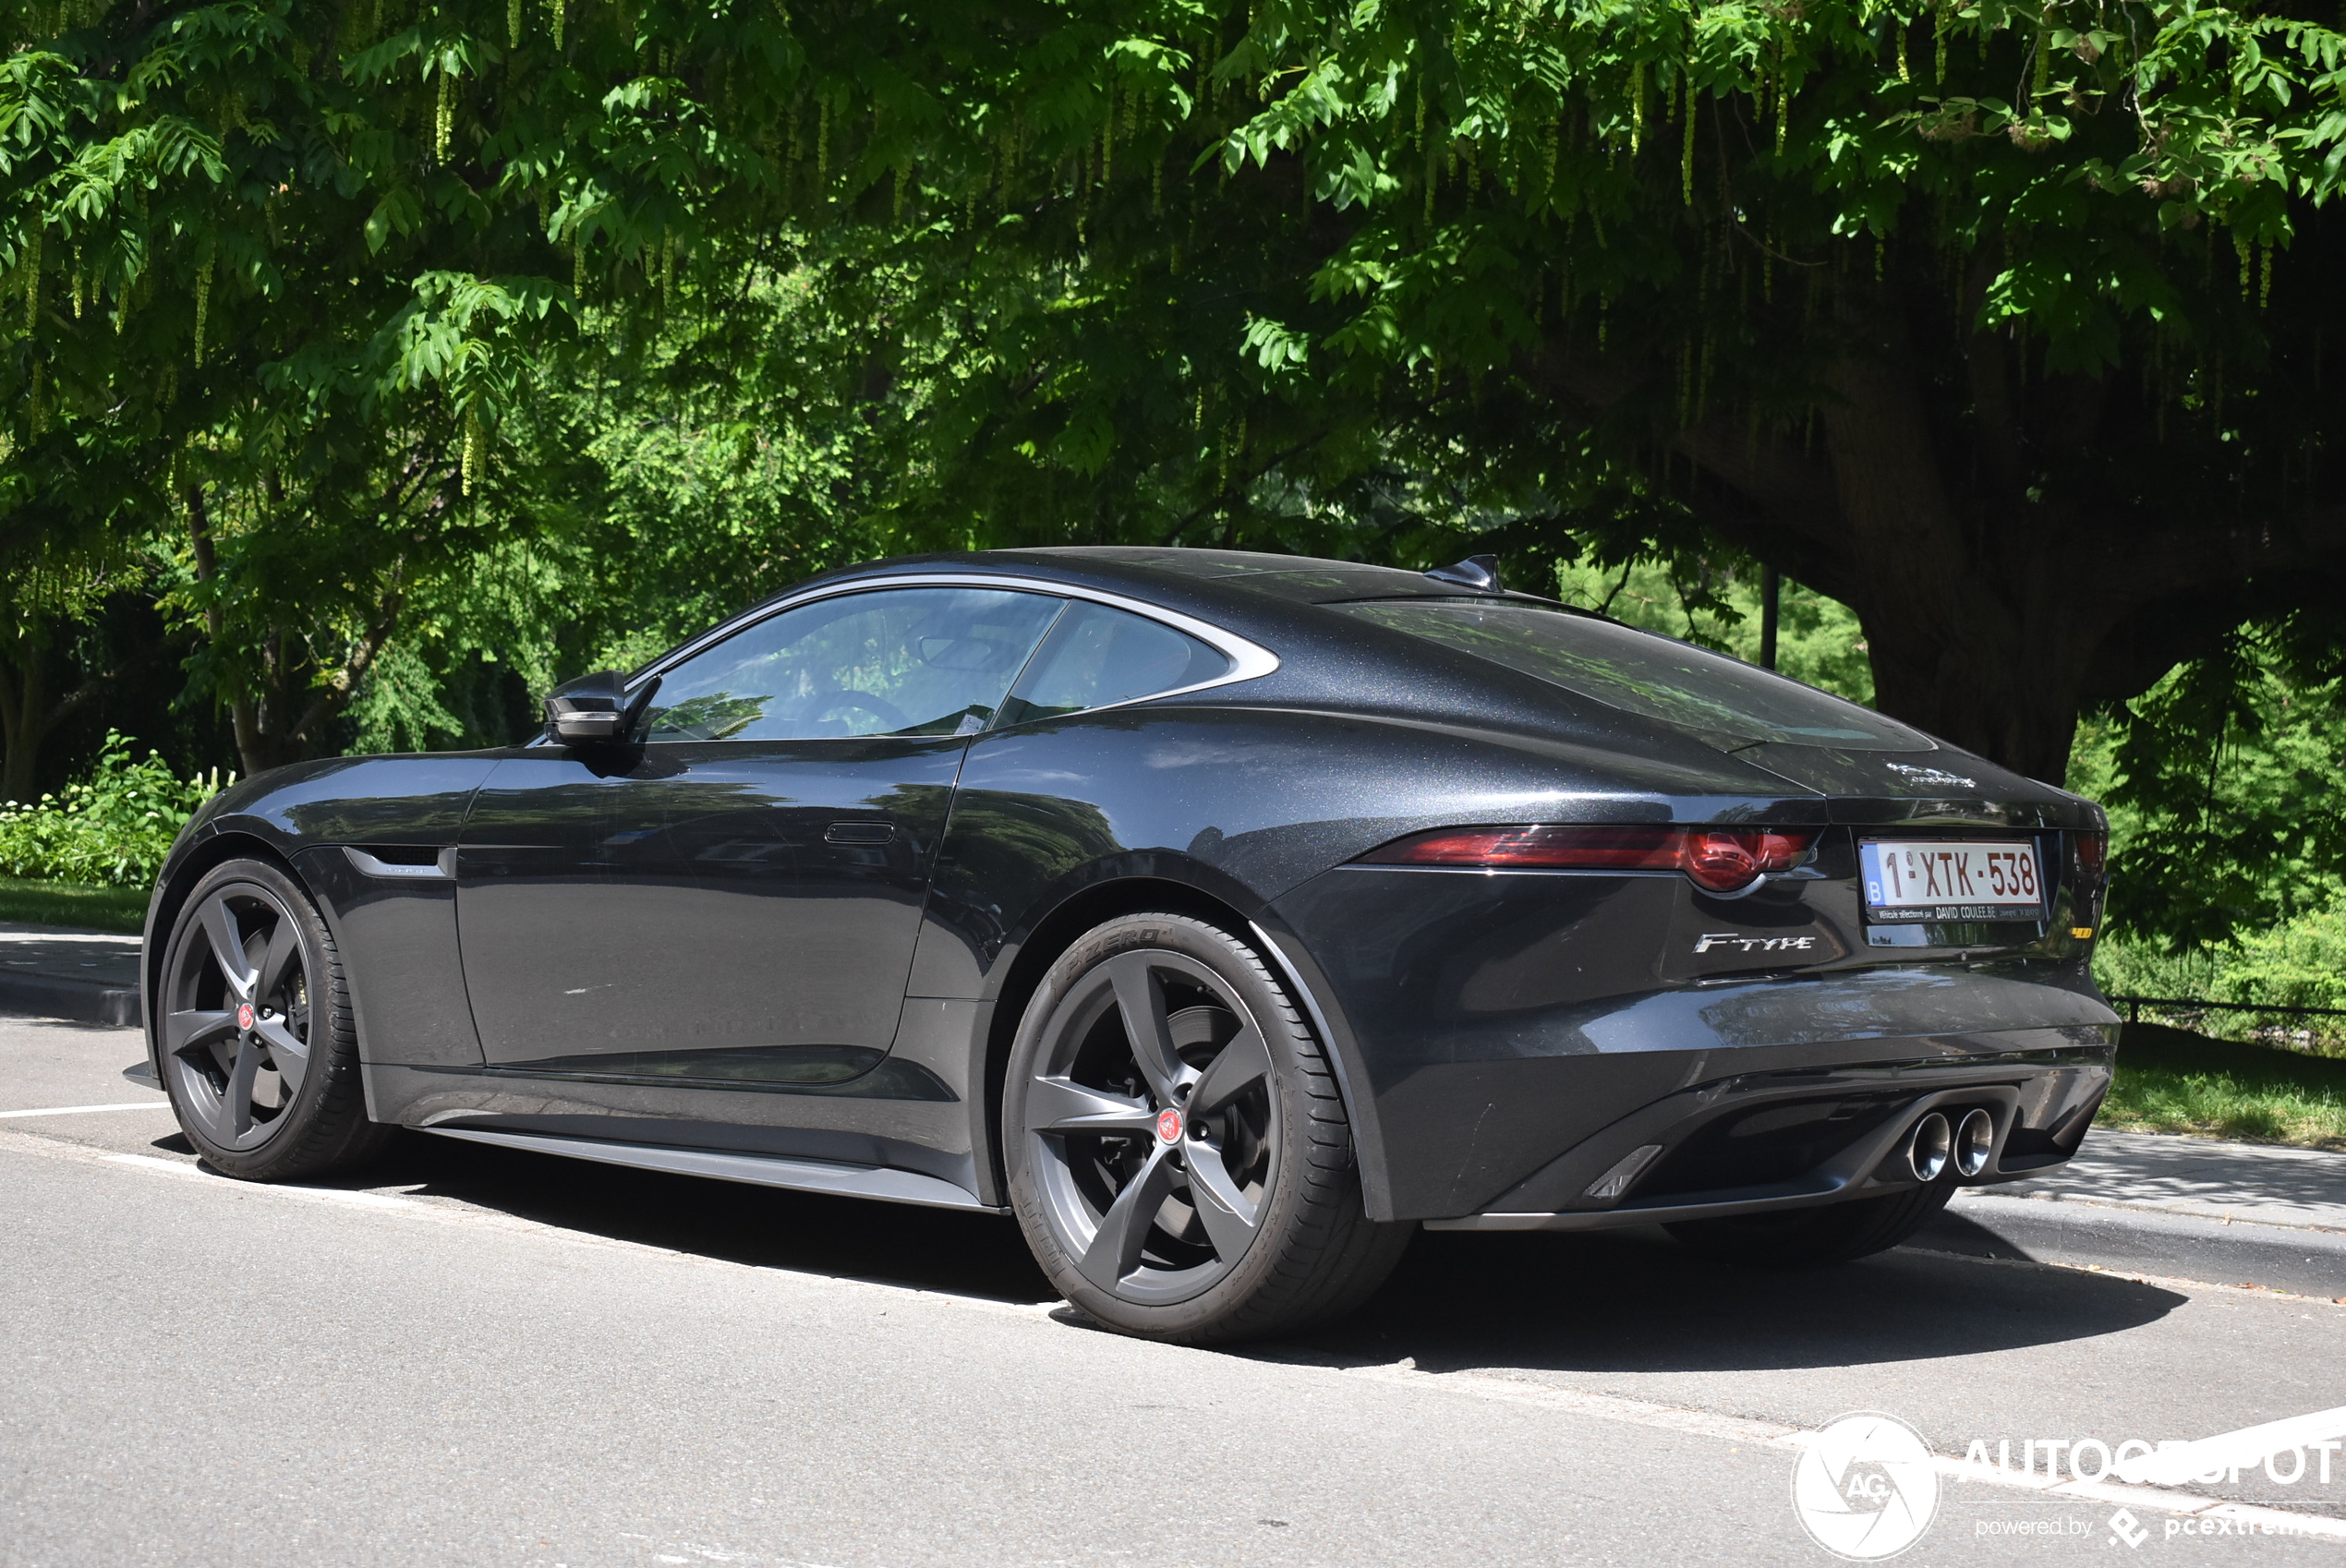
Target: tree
2005,325
1962,313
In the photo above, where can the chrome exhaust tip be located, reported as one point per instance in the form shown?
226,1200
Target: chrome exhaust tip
1975,1143
1927,1147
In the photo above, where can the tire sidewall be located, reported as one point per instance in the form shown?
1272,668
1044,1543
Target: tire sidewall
1238,967
330,1026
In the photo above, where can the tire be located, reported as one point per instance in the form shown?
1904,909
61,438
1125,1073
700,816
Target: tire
1813,1238
261,1065
1122,1217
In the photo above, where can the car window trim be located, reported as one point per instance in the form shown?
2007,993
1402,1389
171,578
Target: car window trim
1248,660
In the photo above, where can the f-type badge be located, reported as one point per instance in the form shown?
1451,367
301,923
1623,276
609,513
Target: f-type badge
1741,943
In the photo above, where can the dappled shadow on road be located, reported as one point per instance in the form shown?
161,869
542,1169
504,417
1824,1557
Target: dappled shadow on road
1621,1301
1635,1301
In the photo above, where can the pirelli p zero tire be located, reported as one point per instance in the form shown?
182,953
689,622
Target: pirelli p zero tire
258,1052
1177,1152
1808,1238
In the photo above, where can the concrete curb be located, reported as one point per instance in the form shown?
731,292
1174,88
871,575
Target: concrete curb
2136,1240
84,1001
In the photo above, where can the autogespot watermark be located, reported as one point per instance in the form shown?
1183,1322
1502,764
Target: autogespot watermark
1866,1486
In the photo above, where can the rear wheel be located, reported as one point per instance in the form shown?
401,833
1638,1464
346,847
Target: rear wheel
1808,1238
260,1056
1178,1152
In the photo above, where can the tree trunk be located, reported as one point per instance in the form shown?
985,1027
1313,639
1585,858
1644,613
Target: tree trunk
24,715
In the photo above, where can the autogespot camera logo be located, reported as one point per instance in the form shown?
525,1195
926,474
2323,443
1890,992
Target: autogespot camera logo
1866,1486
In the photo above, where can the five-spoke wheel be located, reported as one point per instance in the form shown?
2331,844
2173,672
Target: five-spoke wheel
256,1045
1177,1149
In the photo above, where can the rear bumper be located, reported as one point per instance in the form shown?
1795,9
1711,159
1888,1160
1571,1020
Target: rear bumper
1504,1041
1763,1141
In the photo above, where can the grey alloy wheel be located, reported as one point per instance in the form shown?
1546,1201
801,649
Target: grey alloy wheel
1150,1118
238,1014
254,1029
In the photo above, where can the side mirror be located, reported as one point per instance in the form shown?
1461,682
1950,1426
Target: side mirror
598,710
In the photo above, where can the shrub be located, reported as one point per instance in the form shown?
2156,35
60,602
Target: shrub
113,828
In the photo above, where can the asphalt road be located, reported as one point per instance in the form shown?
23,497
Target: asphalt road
480,1355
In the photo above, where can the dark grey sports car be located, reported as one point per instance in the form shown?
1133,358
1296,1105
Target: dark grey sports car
1223,916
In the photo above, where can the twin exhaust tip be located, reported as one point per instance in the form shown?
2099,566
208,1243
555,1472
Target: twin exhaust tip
1935,1140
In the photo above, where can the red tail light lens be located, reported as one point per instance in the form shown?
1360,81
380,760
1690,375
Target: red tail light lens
1719,859
2092,851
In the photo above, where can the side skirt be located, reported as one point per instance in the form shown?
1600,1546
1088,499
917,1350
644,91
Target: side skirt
761,1170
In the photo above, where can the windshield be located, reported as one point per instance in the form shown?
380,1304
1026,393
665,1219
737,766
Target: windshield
1648,674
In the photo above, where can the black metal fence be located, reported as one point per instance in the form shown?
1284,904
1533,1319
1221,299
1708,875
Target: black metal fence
2134,1005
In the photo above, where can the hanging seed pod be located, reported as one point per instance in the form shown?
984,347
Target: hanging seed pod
554,16
444,122
1945,26
203,303
2264,298
1686,158
512,24
1637,107
31,285
1898,28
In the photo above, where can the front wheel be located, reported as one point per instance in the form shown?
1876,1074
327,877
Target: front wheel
1177,1152
260,1055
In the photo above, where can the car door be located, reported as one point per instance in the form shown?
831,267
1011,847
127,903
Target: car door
736,898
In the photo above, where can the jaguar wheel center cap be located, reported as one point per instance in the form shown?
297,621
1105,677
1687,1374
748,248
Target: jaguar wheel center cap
244,1015
1168,1126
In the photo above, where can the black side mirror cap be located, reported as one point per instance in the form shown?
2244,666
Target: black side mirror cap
598,710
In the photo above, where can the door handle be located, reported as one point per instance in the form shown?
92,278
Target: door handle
859,833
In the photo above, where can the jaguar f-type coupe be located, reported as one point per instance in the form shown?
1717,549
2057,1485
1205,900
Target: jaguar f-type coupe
1224,917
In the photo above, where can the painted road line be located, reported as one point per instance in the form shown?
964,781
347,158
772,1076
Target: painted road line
86,1110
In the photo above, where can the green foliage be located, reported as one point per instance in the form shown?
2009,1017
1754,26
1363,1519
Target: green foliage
429,351
113,828
2221,783
2170,1080
1817,639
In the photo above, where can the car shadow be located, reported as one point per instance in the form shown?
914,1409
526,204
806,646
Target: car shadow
1615,1301
1636,1301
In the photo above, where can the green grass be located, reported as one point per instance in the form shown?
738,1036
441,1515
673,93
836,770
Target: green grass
70,903
2173,1080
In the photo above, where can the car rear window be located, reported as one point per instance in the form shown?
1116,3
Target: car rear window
1096,656
1645,673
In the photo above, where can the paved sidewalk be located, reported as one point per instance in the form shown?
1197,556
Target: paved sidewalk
2210,1179
50,972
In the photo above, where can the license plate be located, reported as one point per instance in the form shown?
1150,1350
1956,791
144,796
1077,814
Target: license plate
1919,879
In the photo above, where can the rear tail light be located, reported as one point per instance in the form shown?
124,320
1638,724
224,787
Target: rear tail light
2089,868
1719,858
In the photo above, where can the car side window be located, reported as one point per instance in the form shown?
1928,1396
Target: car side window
1097,655
902,661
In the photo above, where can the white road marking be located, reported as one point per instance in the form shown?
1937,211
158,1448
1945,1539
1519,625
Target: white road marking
1472,1385
85,1110
113,938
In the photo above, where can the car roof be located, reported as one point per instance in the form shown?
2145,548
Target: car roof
1301,579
